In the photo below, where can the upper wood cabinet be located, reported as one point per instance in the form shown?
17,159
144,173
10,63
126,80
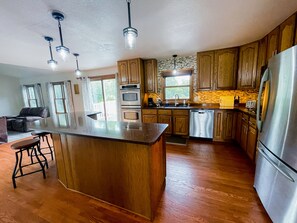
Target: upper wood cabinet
261,60
272,43
286,33
150,75
130,71
225,68
247,71
205,62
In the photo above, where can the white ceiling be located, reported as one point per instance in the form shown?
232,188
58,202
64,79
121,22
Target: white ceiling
93,28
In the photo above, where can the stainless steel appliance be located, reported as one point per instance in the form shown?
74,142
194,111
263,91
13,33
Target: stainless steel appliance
276,168
131,113
201,123
130,95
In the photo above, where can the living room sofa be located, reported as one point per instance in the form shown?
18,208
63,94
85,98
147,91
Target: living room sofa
3,130
19,122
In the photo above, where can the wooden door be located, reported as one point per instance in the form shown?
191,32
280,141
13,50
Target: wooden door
238,128
150,75
251,143
218,125
244,135
247,71
181,125
228,125
123,72
286,33
167,120
150,118
225,68
272,43
134,71
262,62
205,63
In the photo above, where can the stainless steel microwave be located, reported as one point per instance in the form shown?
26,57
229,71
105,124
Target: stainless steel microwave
130,95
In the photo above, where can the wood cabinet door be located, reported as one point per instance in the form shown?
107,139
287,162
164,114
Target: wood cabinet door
262,62
251,143
286,33
134,71
123,72
150,75
228,120
167,120
247,71
244,135
181,125
272,43
149,118
238,128
218,125
225,68
205,64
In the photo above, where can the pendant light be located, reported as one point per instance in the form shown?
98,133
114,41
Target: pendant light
130,33
174,62
51,62
77,71
62,50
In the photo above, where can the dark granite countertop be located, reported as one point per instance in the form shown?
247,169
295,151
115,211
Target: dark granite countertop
84,124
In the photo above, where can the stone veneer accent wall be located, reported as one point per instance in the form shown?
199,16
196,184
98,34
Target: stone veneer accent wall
201,96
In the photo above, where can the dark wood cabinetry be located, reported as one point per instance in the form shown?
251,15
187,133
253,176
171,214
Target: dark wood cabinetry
251,139
205,64
225,68
165,116
130,71
180,122
262,62
272,43
224,125
238,127
286,33
247,71
150,75
149,116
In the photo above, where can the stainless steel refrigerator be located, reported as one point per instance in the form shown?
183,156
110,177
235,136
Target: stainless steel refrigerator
276,167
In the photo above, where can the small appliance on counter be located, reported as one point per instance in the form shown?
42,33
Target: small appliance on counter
227,102
251,104
236,100
151,102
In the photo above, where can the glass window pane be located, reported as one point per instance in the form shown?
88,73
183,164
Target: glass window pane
110,94
177,81
58,91
33,103
97,96
31,93
59,106
183,92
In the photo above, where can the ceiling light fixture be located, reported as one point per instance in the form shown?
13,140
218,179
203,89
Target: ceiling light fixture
62,50
77,71
174,62
130,33
51,62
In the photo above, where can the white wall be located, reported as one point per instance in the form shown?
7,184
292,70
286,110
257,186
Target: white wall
11,100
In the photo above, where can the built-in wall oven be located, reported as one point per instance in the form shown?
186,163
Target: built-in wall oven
131,113
130,95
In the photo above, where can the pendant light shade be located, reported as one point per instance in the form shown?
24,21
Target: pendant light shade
77,71
130,33
62,50
174,64
52,63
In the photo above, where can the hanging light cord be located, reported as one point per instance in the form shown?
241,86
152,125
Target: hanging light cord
60,31
129,17
77,63
50,49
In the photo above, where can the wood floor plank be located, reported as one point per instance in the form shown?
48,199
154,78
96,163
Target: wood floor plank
205,183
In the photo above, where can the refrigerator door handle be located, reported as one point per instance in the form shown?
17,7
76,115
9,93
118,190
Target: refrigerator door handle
263,80
275,165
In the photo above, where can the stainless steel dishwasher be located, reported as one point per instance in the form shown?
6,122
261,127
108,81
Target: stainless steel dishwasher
201,123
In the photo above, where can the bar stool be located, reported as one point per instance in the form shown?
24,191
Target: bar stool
26,145
42,135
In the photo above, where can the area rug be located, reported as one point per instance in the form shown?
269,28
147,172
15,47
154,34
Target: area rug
176,140
13,136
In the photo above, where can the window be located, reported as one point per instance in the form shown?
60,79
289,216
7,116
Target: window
31,97
59,97
104,96
179,84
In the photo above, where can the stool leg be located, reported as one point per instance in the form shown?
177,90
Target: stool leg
40,163
15,170
39,150
31,156
20,162
49,146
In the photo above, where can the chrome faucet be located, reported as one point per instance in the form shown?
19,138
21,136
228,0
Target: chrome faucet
176,97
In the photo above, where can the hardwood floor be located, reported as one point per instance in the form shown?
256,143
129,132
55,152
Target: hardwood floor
205,183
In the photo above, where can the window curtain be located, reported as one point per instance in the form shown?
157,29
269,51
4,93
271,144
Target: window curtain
38,95
87,94
25,97
68,96
50,93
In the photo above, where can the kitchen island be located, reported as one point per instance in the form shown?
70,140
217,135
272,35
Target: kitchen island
121,163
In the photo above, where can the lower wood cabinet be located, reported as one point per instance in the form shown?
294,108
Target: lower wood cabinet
180,122
238,127
224,125
149,116
251,146
165,117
